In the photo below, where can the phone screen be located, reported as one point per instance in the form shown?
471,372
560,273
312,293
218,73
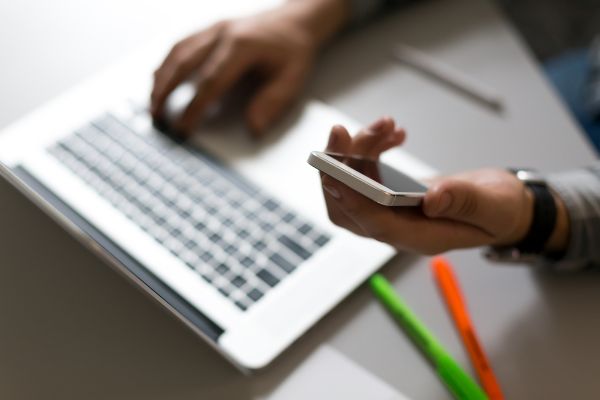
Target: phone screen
381,173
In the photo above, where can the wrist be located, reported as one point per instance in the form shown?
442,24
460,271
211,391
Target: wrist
558,240
523,219
541,225
319,19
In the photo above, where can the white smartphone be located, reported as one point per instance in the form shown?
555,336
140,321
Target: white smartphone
371,178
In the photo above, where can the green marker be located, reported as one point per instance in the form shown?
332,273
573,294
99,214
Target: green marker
460,384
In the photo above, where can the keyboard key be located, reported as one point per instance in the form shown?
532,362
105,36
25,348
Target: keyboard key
259,245
282,262
321,240
294,246
241,305
200,225
266,226
288,217
211,210
238,281
267,277
270,205
222,268
176,232
304,229
206,257
255,294
246,261
159,219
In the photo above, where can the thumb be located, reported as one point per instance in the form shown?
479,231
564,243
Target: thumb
339,142
457,200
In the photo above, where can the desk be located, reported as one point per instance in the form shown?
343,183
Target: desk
72,328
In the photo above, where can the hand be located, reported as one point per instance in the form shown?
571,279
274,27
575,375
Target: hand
278,45
483,207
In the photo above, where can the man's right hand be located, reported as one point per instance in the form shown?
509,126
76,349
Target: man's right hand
278,45
468,209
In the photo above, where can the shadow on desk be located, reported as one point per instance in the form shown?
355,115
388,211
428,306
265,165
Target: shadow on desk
556,336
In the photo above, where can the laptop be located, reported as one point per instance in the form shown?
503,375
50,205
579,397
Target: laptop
228,234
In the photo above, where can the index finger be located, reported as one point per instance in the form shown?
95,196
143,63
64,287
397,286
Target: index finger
380,136
184,57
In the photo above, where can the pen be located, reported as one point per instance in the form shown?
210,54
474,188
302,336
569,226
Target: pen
450,289
448,75
460,384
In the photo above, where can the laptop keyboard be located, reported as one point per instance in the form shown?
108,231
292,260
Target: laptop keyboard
236,237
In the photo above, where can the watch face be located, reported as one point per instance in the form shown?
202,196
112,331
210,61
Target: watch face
530,176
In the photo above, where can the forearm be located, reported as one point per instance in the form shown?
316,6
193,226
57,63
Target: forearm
325,18
322,19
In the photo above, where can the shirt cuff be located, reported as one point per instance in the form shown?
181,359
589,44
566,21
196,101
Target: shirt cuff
580,193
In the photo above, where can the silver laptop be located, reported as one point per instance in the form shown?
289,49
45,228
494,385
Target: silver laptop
229,235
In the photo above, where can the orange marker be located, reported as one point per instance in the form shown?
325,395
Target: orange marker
448,285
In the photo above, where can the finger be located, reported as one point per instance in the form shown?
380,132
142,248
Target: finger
181,61
394,139
339,142
336,215
407,228
274,98
379,137
460,200
367,137
220,73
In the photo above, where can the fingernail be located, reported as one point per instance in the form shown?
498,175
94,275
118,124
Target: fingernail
444,203
399,133
332,191
393,138
378,125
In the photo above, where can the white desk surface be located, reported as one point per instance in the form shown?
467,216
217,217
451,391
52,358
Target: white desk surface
72,328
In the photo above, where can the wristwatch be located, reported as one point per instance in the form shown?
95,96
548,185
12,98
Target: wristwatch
531,247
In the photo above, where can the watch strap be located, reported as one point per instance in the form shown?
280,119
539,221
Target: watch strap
543,221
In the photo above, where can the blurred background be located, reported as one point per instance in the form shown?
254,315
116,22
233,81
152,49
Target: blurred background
560,34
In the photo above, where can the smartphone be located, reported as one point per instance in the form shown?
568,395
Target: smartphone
371,178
